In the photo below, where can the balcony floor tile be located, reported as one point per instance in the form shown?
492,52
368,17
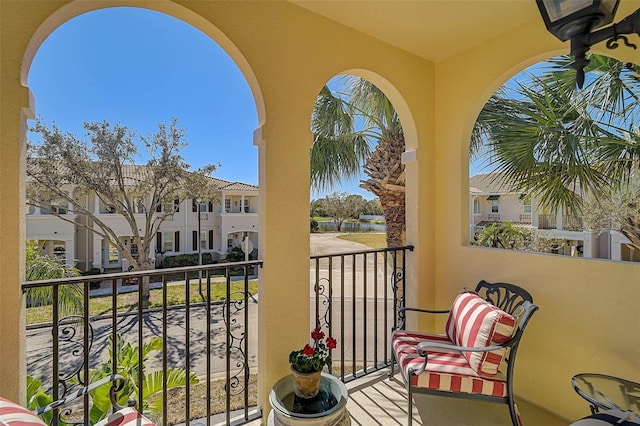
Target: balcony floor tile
376,400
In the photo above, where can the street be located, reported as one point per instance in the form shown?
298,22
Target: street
367,327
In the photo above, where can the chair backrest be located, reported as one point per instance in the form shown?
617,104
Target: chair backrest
505,296
514,300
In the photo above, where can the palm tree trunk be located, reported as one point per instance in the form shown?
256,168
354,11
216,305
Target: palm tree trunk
386,180
393,208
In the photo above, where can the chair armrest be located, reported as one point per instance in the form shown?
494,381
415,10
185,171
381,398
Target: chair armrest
118,383
423,348
426,311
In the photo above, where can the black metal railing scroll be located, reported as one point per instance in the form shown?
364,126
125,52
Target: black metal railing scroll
356,299
174,350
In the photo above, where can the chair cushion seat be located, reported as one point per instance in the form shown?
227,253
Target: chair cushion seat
127,416
446,370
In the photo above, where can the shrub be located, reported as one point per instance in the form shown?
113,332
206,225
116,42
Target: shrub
235,254
186,260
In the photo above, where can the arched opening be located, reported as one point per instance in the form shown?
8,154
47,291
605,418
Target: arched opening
359,148
182,235
546,169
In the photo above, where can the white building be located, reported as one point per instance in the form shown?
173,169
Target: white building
223,224
492,199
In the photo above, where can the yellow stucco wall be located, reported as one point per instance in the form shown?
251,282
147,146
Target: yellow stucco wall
287,54
588,319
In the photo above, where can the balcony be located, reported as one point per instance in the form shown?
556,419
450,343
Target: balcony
353,296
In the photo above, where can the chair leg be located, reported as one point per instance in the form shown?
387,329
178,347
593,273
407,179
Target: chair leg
392,366
513,411
410,403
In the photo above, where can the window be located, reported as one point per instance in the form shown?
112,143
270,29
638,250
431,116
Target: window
59,205
229,242
246,205
227,205
203,239
476,206
210,207
158,242
211,239
59,250
167,241
526,204
176,205
176,241
114,255
494,206
194,206
138,206
194,239
134,250
168,207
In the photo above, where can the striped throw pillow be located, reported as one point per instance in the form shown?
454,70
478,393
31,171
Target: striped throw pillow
12,414
474,322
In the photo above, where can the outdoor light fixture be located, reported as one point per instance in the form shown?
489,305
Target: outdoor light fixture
576,19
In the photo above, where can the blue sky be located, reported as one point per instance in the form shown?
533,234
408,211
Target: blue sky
140,68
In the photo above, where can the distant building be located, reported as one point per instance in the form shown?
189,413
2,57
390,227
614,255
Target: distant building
492,199
223,225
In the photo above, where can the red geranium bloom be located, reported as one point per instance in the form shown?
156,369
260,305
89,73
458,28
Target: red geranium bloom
316,334
331,343
313,356
308,350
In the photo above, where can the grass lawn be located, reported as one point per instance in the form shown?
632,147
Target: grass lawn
198,402
370,239
129,301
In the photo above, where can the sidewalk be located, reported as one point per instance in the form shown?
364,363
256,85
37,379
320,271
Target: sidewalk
156,285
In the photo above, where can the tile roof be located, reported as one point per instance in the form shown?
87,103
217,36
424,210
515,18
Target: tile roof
134,173
491,183
238,186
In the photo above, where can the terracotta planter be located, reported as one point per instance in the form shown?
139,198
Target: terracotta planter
306,385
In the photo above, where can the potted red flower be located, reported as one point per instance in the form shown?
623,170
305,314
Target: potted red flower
307,363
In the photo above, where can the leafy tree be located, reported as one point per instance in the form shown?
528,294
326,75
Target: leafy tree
47,268
313,225
63,167
316,208
340,148
373,207
616,209
341,206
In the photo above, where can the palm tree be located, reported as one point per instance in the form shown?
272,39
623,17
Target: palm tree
558,143
47,268
341,149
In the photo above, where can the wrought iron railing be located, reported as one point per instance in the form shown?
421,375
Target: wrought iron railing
356,297
546,221
69,350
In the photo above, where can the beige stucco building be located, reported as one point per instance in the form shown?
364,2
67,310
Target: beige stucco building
438,62
223,223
